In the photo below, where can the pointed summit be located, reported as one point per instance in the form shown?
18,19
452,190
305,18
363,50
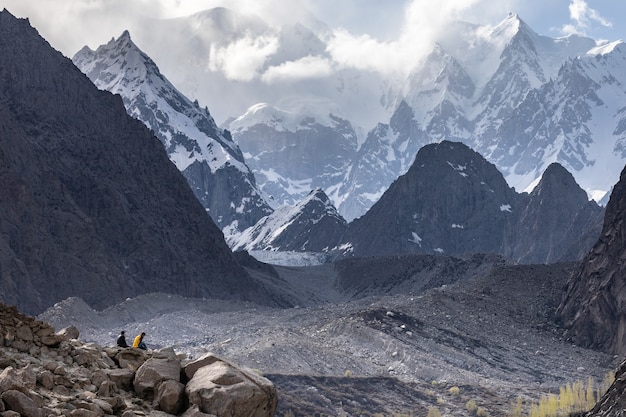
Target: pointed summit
557,218
207,155
559,184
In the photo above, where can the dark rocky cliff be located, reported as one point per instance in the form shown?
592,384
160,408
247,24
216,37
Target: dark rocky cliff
557,222
90,205
453,201
450,201
594,308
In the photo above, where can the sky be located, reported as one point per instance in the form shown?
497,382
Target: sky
71,24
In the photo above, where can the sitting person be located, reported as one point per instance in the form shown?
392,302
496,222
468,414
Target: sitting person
121,341
138,342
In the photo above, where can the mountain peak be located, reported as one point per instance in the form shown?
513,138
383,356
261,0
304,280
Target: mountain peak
124,36
511,26
557,180
123,42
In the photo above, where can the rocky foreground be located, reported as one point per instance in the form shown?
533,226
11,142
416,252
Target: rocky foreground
54,374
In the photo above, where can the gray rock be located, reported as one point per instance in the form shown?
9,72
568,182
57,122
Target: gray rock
194,411
170,396
153,372
131,358
21,403
46,379
9,380
222,389
69,333
123,378
24,333
107,389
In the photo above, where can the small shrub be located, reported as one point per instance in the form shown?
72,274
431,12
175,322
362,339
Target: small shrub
347,373
455,390
441,400
471,406
481,412
434,412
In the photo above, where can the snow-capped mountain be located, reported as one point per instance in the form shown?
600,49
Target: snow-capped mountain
206,155
297,150
522,100
312,225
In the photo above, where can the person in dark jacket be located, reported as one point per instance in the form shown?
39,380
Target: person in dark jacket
121,341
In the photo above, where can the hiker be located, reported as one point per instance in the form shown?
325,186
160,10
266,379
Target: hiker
138,342
121,341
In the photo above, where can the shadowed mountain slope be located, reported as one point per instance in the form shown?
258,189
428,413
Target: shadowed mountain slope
453,201
594,308
90,205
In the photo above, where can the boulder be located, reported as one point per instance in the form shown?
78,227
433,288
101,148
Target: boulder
24,333
205,360
170,396
122,378
10,380
131,358
69,333
194,411
46,379
19,402
107,389
223,389
153,372
116,403
51,340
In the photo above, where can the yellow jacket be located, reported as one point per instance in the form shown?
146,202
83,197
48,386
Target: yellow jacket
137,341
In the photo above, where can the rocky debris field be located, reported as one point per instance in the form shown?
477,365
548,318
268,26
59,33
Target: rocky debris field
53,374
488,337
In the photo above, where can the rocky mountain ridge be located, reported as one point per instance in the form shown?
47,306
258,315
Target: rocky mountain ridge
452,201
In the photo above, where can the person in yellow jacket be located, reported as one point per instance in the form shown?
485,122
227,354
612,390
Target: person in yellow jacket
138,342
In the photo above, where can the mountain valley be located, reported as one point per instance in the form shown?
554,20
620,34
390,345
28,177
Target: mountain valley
447,287
397,345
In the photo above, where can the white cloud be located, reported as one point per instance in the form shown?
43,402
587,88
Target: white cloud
583,17
303,68
423,22
242,59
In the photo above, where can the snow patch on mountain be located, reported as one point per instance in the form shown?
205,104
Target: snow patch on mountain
206,155
302,114
122,68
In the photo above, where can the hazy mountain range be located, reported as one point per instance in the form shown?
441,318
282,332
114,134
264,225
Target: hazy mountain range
291,152
521,100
